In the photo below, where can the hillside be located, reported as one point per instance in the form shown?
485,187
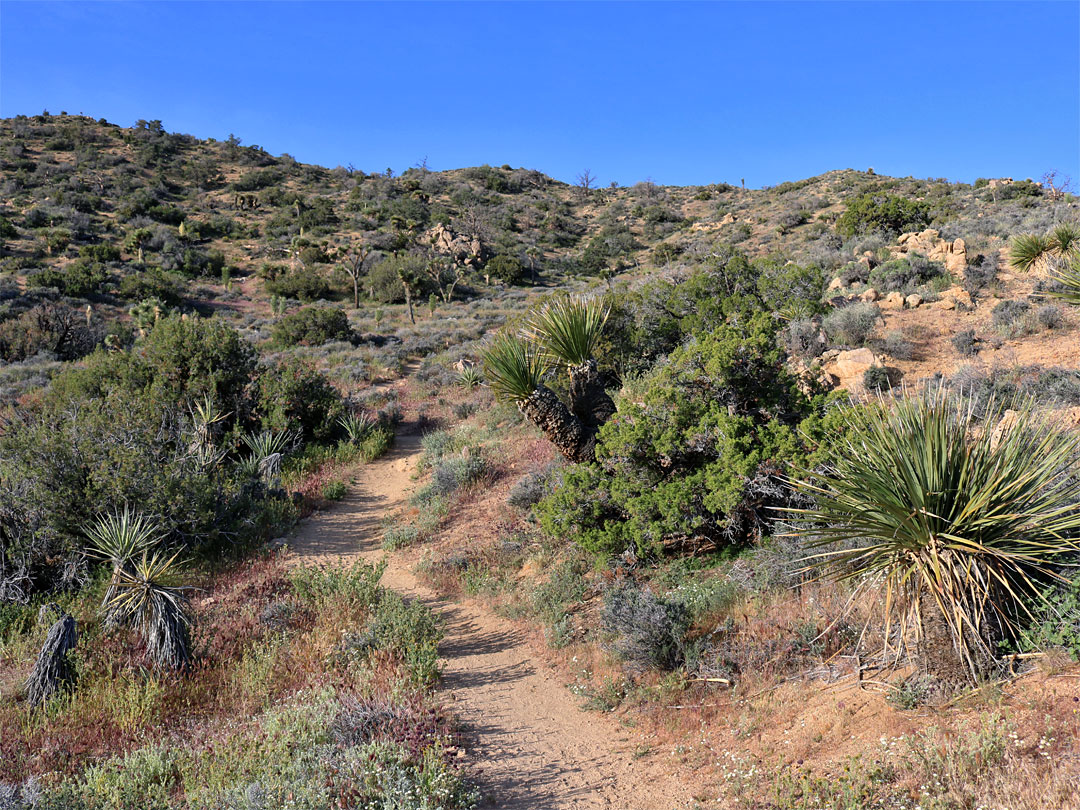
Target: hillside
613,491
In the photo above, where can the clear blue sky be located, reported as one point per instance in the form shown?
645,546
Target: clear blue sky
679,93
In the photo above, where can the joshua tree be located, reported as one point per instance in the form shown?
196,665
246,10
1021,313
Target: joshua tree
563,334
960,524
353,261
137,240
1048,252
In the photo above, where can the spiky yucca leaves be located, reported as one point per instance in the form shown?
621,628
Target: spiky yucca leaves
120,538
1028,249
470,377
1068,278
268,443
568,328
568,331
357,426
1065,239
960,523
147,599
514,367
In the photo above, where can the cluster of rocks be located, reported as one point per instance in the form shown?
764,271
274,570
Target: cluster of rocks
930,244
469,251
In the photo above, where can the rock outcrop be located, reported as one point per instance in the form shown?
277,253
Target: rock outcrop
930,244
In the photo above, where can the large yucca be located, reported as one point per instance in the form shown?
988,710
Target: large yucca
146,597
948,515
1028,249
120,538
568,329
514,367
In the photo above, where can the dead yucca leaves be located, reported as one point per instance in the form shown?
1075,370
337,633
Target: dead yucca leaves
959,523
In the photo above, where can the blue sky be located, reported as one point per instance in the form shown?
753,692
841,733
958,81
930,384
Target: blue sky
679,93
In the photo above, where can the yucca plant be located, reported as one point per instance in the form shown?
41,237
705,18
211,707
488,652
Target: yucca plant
267,443
1068,281
568,329
1028,250
1065,239
514,367
120,538
959,523
146,598
357,426
515,370
470,377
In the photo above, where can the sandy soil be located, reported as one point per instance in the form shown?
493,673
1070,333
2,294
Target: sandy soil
531,744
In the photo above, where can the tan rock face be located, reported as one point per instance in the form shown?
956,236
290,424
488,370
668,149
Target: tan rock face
913,301
893,300
930,244
870,295
854,363
836,284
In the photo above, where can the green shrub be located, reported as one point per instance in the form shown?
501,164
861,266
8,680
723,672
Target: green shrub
876,378
304,285
905,274
851,325
293,395
411,630
882,212
79,279
693,454
312,326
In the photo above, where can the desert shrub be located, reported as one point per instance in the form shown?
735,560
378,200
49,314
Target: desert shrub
1049,316
965,343
56,329
153,282
896,345
1056,620
1009,317
693,455
802,338
649,630
876,378
302,284
533,486
312,326
882,212
293,395
412,631
851,325
398,537
79,279
905,274
505,268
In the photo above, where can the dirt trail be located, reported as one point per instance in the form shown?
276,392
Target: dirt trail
533,746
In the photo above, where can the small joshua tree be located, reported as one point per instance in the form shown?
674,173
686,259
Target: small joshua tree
563,334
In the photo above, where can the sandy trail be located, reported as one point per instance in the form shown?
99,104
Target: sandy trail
533,746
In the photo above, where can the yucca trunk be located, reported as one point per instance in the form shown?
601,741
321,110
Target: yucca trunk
589,402
565,430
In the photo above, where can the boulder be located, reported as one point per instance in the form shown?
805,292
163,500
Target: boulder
727,219
836,284
893,300
870,295
913,301
854,363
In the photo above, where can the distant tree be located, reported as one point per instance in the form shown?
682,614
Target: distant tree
585,181
137,240
352,259
1058,184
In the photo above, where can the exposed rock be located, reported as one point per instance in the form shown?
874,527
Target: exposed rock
1007,423
836,284
811,376
893,300
945,303
727,219
854,363
954,298
913,301
870,295
469,251
930,244
829,354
